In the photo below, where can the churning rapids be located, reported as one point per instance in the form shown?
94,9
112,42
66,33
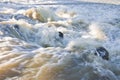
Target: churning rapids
59,42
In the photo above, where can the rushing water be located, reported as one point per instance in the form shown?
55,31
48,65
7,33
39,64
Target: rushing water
58,42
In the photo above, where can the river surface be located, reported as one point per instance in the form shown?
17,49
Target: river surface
57,40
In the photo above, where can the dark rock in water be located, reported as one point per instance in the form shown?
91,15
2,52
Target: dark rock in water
16,26
101,51
61,34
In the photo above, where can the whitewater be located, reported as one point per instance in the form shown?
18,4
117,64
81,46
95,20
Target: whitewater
57,40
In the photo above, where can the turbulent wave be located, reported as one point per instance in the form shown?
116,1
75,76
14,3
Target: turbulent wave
58,42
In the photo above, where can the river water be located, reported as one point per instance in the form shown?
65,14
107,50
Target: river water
56,40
